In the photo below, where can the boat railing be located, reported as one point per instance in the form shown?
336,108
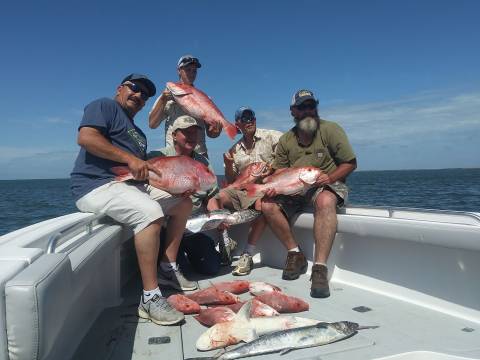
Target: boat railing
87,223
401,212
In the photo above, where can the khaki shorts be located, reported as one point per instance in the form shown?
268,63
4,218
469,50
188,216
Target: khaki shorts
240,199
291,205
132,204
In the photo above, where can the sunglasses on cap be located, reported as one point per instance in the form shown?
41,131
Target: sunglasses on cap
306,106
137,89
188,60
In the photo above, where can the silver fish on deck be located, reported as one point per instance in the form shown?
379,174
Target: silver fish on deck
291,339
213,219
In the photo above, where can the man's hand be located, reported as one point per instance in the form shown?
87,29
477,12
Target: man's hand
271,192
323,179
139,168
214,130
188,193
227,158
166,95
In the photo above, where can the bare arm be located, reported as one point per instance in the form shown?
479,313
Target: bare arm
157,114
340,173
229,172
95,143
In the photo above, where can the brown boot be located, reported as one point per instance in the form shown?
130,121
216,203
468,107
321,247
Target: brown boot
295,265
319,280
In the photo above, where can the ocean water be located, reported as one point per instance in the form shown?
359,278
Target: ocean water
25,202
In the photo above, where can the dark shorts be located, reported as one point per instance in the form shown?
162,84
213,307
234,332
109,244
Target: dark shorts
292,205
239,198
199,250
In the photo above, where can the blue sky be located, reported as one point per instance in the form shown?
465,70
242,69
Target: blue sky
401,77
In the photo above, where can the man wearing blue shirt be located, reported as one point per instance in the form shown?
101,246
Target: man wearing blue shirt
109,137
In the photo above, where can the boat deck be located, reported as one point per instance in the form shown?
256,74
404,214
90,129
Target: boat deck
405,330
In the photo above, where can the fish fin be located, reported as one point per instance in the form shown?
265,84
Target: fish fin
244,312
123,173
231,130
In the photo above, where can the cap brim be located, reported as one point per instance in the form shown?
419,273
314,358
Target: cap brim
303,99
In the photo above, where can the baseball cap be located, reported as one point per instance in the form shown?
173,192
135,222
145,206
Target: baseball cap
183,122
188,59
241,110
144,80
302,95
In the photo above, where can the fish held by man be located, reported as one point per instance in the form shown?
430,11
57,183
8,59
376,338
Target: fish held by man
174,174
288,181
213,219
245,328
287,340
250,174
197,104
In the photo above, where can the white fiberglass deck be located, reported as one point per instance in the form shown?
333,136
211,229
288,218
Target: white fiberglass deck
403,327
416,271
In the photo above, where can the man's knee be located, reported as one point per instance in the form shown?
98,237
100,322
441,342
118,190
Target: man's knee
326,200
269,208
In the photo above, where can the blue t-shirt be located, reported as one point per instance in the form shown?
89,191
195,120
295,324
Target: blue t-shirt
108,117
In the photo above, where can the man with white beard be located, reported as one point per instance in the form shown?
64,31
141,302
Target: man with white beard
323,144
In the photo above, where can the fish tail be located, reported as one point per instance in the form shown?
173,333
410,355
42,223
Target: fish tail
231,130
122,172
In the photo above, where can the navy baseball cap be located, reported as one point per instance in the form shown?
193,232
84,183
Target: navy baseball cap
241,110
144,80
302,95
188,59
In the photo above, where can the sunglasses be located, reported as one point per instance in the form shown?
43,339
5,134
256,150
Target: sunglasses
137,89
247,119
306,106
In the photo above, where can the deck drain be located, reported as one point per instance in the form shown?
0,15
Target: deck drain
467,329
362,309
158,340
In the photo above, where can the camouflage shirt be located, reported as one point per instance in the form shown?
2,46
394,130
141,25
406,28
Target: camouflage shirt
264,142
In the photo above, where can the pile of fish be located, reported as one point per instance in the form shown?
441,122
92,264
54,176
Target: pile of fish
174,174
213,219
257,321
197,104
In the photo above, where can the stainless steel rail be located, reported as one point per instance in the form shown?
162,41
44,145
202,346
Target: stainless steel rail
87,223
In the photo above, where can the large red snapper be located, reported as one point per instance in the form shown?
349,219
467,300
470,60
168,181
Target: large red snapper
197,104
174,174
288,181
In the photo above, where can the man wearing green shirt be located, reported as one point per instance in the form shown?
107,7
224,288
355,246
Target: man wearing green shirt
199,248
323,144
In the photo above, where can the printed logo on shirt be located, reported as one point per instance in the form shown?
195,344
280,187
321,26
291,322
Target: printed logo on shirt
319,155
138,140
